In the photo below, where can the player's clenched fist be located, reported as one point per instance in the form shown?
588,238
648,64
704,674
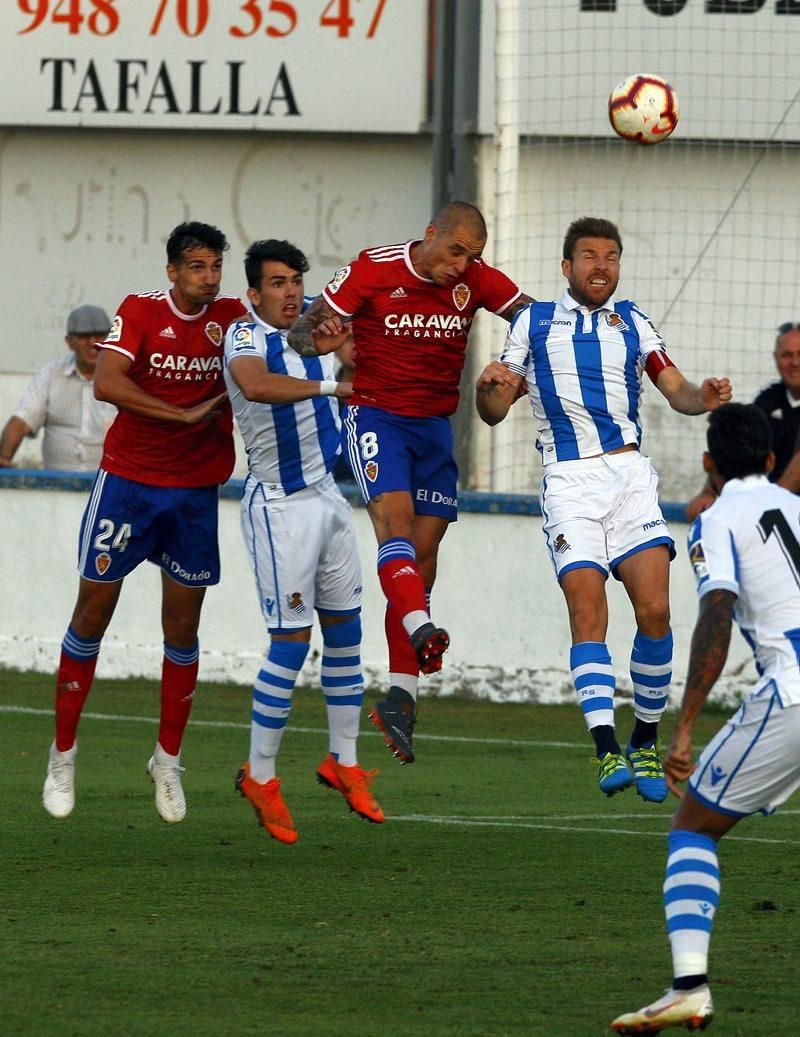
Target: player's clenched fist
716,391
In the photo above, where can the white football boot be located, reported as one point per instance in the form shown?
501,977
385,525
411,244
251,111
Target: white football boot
166,776
58,794
691,1009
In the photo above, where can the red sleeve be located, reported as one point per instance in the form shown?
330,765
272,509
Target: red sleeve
655,364
349,286
127,328
235,309
498,292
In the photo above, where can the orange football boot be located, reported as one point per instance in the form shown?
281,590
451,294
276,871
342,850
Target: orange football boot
268,803
353,783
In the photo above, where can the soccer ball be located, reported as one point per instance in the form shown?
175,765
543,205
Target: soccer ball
643,108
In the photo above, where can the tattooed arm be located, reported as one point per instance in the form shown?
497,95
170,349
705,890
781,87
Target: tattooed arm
515,307
319,330
710,641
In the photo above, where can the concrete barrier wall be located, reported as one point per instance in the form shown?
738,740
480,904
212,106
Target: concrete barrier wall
496,593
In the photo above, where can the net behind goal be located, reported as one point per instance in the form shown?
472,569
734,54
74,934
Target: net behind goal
710,219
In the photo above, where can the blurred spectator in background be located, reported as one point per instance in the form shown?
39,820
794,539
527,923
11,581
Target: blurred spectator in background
61,400
780,401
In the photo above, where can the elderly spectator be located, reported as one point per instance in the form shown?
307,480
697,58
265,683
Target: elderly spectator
60,399
780,401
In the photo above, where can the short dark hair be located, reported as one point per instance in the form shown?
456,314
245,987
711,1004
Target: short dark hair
589,227
188,236
739,440
458,213
271,250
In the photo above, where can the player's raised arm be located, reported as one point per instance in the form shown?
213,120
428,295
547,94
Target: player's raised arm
318,331
113,385
686,397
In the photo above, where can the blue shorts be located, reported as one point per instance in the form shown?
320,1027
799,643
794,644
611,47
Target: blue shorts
390,452
126,522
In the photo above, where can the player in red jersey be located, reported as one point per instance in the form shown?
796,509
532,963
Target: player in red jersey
155,496
411,307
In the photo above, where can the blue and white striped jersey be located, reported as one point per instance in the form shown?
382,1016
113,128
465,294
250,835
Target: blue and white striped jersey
584,373
289,445
748,542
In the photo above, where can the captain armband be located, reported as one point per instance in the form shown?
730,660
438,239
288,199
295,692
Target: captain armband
656,362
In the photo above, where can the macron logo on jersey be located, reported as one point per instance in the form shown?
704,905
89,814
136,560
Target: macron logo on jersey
168,332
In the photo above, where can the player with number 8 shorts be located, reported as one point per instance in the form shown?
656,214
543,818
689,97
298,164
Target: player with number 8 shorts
411,306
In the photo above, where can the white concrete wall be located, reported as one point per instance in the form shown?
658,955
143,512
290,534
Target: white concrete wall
85,214
496,594
97,229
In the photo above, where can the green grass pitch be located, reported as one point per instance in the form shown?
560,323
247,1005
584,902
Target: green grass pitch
503,895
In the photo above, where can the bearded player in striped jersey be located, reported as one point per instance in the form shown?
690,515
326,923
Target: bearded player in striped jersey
298,533
411,306
582,360
155,497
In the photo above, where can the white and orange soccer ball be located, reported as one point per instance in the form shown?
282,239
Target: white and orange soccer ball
643,108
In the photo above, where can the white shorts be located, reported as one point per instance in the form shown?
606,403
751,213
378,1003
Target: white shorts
303,552
600,510
753,763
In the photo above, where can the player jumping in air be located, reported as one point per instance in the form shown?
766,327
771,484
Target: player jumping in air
411,306
155,497
582,360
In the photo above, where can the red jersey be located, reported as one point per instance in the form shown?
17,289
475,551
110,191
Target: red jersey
176,357
410,334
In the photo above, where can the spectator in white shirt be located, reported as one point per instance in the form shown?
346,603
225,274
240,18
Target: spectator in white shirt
61,400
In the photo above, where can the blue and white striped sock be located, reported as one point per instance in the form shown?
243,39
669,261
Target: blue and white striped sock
593,676
343,686
691,896
272,702
651,673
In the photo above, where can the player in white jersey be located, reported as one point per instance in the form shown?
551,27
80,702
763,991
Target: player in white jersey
581,360
745,550
298,533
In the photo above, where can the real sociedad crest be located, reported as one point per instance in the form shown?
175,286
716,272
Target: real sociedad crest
214,332
461,294
615,321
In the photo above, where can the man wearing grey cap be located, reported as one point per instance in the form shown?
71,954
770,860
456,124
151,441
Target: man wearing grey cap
60,399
